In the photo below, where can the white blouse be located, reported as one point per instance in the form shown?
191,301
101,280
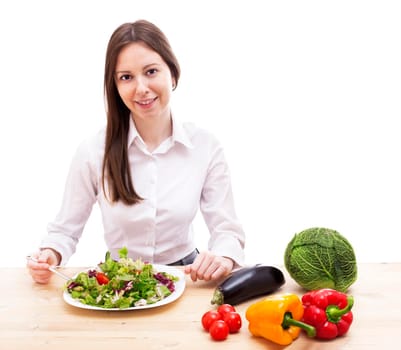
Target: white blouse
187,172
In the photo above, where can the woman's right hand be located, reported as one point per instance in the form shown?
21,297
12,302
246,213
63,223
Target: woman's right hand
40,270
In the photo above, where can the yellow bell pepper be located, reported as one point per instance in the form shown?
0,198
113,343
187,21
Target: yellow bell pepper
278,319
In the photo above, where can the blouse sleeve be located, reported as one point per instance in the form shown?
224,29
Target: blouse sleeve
79,196
217,207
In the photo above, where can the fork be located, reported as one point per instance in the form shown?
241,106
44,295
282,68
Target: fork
51,268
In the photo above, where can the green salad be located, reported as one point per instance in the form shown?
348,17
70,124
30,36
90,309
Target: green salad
121,284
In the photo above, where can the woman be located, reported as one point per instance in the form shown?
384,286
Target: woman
148,173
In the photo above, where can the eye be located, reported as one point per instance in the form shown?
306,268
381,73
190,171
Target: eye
152,71
125,77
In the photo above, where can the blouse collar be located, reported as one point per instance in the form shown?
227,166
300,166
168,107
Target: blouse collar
179,134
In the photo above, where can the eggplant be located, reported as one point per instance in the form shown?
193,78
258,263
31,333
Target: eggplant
247,283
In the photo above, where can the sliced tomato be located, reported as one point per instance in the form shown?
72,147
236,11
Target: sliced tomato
102,278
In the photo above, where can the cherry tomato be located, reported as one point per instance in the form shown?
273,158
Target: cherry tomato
219,330
102,278
233,320
224,308
209,317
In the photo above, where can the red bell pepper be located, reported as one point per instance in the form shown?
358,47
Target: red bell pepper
329,311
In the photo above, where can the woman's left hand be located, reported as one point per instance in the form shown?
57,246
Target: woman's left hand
208,266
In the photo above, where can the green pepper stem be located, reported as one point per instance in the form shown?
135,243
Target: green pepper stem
334,313
289,321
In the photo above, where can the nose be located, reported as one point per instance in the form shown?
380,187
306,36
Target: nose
142,85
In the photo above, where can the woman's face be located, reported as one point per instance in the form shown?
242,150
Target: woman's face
144,81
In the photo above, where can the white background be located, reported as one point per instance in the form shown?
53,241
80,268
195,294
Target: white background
304,96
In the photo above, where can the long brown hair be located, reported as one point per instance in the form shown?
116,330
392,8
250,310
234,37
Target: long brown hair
116,169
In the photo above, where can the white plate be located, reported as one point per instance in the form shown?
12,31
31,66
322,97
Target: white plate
179,289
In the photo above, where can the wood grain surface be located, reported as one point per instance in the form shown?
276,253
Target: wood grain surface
34,316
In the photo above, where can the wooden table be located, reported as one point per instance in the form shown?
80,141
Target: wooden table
34,316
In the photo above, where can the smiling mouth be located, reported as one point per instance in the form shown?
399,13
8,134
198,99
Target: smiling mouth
146,102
